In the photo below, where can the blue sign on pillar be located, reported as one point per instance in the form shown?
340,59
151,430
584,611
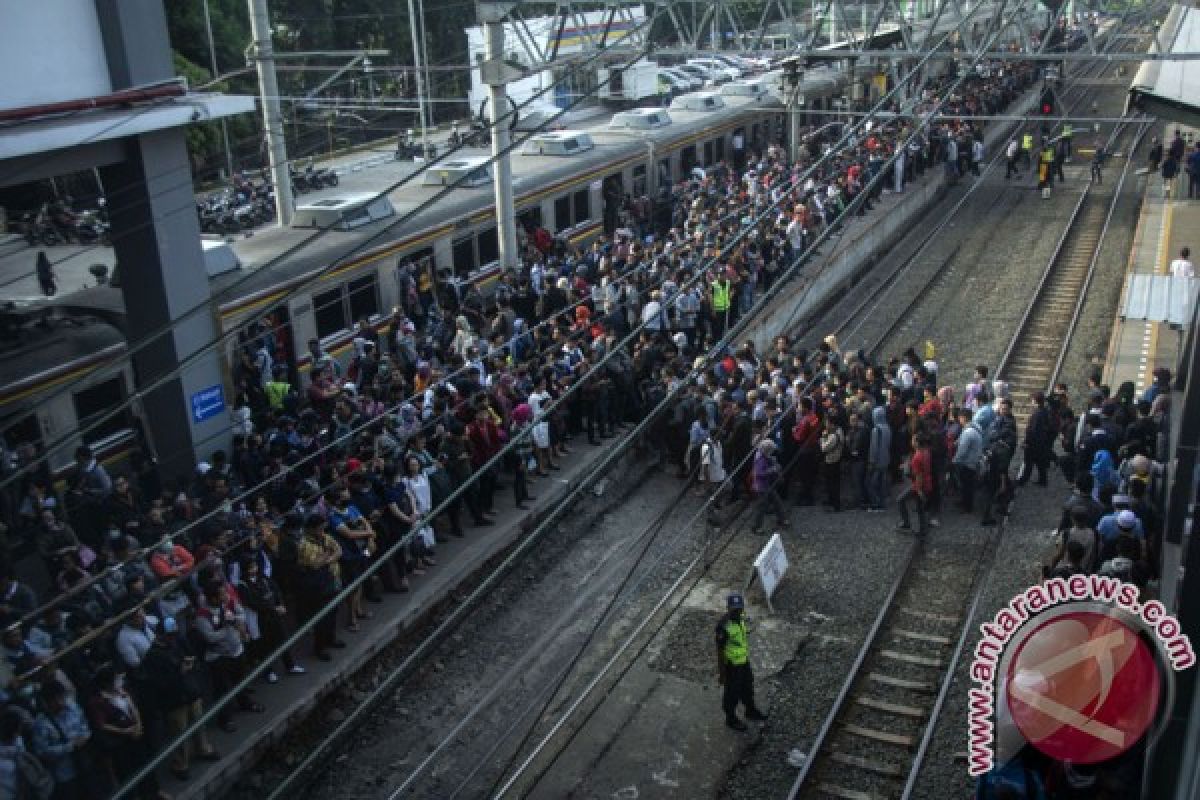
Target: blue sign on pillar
208,403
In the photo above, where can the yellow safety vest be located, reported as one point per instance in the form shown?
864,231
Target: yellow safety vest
737,651
1027,141
720,292
1048,155
1067,131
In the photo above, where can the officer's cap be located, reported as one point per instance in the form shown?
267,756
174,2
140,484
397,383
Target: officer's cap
735,601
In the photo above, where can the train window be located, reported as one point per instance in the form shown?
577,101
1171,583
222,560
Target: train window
489,247
708,154
583,206
330,313
362,297
464,256
530,218
639,180
417,256
24,431
562,213
93,406
687,159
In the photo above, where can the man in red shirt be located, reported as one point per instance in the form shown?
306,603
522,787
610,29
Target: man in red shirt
807,435
483,442
920,484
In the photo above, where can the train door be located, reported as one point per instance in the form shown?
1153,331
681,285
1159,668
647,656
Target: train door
614,192
275,329
739,148
687,160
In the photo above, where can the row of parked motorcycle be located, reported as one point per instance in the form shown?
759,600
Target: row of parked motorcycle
408,148
247,204
244,205
56,222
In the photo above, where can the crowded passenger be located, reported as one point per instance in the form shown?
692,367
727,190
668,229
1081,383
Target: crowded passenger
367,461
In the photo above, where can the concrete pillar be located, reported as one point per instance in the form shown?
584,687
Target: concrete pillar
156,236
492,15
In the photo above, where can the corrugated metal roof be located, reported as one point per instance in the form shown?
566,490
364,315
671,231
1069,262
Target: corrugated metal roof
1171,89
1159,298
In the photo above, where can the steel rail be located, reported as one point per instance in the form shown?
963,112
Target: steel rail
939,704
864,652
1051,264
1087,281
890,280
1046,273
980,583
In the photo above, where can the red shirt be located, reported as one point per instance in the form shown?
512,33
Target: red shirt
921,470
807,432
484,441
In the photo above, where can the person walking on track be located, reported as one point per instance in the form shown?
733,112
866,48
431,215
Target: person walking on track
1098,164
733,665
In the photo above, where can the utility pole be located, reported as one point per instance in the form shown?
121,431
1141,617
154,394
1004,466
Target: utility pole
268,87
418,48
496,74
212,60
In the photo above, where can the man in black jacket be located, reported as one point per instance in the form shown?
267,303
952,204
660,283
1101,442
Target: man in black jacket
1039,441
174,681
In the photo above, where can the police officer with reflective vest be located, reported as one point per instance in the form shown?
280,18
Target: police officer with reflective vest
1026,149
722,288
733,665
1046,168
1065,138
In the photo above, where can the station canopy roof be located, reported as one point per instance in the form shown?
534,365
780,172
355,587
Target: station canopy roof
1171,89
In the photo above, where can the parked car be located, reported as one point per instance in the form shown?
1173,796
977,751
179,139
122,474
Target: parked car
689,81
717,66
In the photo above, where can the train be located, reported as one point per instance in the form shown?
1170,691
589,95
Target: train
297,283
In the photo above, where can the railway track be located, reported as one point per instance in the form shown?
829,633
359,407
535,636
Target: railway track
1035,354
872,743
849,322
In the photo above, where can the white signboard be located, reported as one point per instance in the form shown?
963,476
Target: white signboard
770,565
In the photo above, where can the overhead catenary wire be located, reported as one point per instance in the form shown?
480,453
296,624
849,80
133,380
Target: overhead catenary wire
628,640
683,383
250,491
494,462
336,443
67,437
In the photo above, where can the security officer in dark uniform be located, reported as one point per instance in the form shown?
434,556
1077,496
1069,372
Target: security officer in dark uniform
733,665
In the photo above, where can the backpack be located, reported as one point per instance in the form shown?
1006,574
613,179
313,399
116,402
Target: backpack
996,458
33,779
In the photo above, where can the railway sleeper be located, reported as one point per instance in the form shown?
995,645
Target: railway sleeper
868,764
913,658
884,737
899,709
883,679
833,790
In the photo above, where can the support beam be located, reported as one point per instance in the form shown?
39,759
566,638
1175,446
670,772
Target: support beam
264,61
492,15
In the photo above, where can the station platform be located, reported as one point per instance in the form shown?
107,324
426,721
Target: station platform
1165,226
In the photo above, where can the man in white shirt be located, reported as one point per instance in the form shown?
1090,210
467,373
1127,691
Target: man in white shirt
1182,266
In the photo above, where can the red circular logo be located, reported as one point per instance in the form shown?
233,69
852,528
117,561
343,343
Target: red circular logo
1083,687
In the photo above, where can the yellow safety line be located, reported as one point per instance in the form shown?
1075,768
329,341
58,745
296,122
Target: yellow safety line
1164,255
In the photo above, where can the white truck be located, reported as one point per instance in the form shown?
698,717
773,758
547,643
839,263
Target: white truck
638,81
